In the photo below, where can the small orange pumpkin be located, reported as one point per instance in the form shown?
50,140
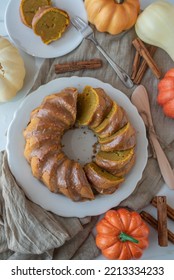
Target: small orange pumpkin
122,235
166,93
112,16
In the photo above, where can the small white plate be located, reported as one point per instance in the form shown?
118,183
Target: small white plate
34,189
25,39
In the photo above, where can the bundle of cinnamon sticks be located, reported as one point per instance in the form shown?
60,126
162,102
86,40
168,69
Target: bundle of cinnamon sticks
143,60
160,224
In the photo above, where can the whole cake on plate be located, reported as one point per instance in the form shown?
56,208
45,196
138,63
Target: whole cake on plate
116,137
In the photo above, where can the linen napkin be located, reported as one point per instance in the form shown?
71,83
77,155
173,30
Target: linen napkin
30,232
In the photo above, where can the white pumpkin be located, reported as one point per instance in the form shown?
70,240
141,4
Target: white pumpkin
12,70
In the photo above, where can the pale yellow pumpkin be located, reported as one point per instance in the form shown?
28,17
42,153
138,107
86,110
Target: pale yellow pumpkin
12,70
112,16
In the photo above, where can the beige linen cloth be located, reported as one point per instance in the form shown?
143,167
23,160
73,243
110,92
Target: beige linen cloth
29,232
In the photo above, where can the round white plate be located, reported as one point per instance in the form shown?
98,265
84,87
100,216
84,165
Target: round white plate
24,37
34,189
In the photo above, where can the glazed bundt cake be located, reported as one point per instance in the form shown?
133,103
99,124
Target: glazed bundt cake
28,9
116,137
50,23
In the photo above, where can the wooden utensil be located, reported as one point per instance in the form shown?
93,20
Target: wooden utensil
140,99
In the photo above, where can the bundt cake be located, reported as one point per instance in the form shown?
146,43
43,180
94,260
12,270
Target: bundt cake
28,9
50,23
116,137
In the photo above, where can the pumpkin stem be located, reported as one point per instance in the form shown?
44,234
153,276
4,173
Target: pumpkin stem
125,237
119,1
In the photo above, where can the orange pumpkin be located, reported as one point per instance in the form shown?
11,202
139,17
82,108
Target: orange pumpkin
112,16
166,93
122,235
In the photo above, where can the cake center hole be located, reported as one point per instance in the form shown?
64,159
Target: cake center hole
80,144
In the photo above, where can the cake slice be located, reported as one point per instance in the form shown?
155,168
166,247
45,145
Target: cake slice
40,155
51,116
101,180
56,114
61,178
126,169
93,105
48,169
28,9
113,160
50,23
123,139
36,142
118,163
79,183
115,120
38,127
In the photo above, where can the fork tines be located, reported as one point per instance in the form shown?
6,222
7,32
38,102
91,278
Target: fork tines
81,26
78,22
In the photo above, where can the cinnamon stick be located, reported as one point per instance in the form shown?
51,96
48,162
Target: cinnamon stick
149,219
143,51
170,210
143,67
136,64
154,223
162,221
78,65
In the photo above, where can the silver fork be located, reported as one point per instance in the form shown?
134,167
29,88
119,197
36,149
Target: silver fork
87,33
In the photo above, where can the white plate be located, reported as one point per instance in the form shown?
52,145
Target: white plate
34,189
24,37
